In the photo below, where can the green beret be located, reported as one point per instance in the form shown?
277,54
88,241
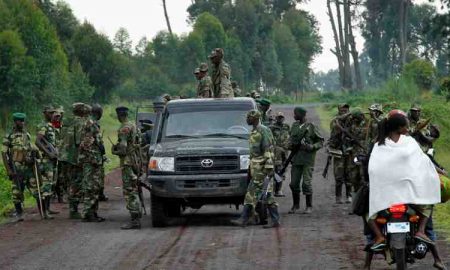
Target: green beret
19,116
254,114
300,111
265,102
122,109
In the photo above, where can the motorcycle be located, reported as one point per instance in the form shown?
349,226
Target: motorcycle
399,225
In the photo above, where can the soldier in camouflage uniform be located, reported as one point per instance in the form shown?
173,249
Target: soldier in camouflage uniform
60,179
46,142
306,140
266,112
220,75
17,150
128,142
236,90
376,116
421,129
91,153
280,132
96,115
261,166
204,87
341,159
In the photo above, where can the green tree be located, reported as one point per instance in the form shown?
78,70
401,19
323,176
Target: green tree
122,42
210,29
422,72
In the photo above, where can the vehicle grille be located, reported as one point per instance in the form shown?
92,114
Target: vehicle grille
207,184
227,163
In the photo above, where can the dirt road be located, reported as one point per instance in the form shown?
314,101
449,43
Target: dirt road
203,239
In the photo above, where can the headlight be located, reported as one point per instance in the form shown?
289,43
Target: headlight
245,162
162,164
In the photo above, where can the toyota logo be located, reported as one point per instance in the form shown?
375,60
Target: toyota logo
207,163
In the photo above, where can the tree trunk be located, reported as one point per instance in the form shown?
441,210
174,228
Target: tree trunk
337,50
403,24
167,17
342,29
354,51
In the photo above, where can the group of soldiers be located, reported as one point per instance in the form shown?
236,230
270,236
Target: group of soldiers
68,158
353,135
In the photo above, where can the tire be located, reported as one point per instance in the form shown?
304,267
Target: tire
173,209
159,216
400,259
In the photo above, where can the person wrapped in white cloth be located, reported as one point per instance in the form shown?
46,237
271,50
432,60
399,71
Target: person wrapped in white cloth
400,173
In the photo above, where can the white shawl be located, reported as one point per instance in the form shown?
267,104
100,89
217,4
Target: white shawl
400,173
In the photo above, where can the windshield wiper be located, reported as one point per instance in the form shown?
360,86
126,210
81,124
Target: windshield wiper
180,136
225,135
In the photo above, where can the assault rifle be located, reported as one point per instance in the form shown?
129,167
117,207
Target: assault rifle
349,135
278,174
325,170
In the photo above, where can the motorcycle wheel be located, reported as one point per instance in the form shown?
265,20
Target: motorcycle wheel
400,259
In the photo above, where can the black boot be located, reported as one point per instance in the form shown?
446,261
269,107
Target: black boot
102,197
308,209
134,223
245,216
338,193
348,192
99,218
274,216
296,205
19,212
44,211
261,210
74,214
89,217
47,206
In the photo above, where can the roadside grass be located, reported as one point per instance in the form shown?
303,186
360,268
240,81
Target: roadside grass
433,106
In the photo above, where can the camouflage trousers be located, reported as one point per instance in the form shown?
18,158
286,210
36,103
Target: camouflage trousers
301,179
341,171
27,180
46,168
130,190
255,188
75,186
355,175
92,175
63,178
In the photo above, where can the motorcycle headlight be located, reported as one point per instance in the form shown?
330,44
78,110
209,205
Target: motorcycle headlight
244,162
162,164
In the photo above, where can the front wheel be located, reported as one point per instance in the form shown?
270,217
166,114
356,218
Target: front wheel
400,258
159,216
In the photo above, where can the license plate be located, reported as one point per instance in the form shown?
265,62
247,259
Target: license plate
398,227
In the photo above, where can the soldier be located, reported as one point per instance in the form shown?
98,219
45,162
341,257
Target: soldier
280,132
261,166
204,88
146,132
46,142
220,75
421,130
96,114
266,112
91,153
341,158
128,142
60,180
305,140
166,98
17,154
236,90
376,116
72,140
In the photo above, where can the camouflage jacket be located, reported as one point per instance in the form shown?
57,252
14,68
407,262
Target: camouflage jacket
71,133
281,137
47,130
372,132
305,133
237,92
221,83
414,131
261,148
129,142
359,132
18,143
204,87
91,144
267,118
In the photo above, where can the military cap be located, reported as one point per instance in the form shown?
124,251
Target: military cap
18,116
254,114
280,115
376,107
216,52
122,109
265,102
81,107
357,112
343,105
196,71
300,111
415,107
203,67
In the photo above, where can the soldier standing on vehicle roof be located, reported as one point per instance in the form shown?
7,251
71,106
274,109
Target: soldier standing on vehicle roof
128,142
204,87
236,90
96,115
306,140
17,154
261,166
46,142
341,159
280,131
220,75
376,116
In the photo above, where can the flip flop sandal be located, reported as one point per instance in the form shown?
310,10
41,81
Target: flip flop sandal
428,241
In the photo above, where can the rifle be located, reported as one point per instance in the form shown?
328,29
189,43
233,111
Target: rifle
278,174
349,135
325,170
265,189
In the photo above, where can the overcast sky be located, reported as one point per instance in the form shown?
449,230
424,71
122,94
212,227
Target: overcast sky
146,18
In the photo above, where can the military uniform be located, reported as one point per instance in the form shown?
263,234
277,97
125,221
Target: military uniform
357,146
126,149
47,164
420,129
266,115
280,133
236,90
17,144
372,132
220,76
303,134
204,87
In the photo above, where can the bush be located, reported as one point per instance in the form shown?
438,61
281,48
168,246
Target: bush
444,86
422,72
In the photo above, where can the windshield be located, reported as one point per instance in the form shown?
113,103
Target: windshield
210,123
